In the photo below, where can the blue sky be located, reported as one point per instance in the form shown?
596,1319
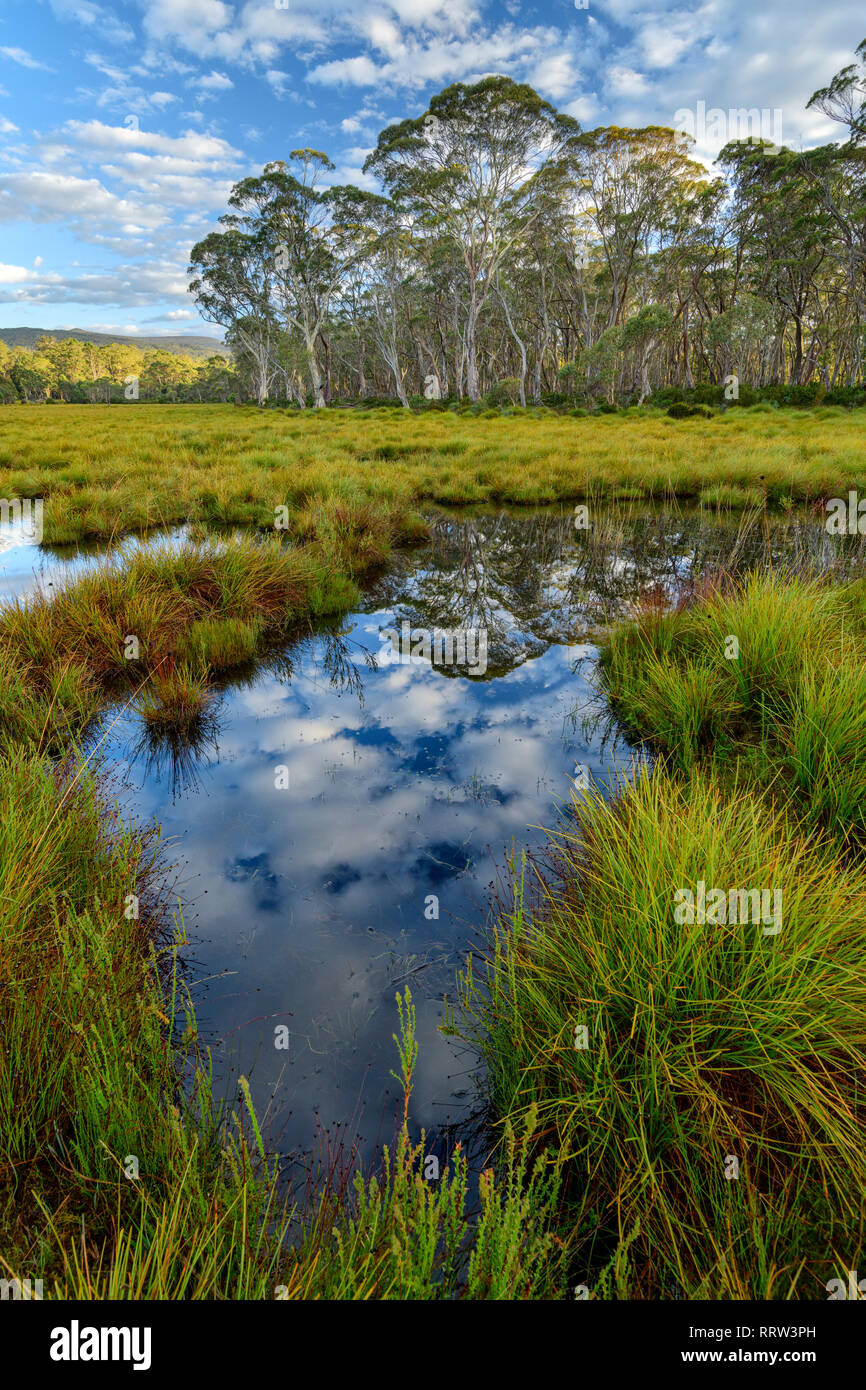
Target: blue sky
123,126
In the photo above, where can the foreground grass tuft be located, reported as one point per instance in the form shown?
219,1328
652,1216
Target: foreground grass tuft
768,674
706,1041
161,621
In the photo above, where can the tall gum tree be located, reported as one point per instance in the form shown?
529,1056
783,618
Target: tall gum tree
469,167
232,287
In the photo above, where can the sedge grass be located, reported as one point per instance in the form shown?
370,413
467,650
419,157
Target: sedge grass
768,674
706,1042
103,471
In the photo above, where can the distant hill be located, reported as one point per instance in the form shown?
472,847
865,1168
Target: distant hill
191,346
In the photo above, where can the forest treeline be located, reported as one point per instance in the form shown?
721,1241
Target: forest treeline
514,257
79,372
509,246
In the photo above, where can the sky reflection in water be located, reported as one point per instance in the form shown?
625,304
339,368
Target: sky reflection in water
306,906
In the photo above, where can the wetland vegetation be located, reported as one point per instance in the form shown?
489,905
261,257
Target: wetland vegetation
130,1170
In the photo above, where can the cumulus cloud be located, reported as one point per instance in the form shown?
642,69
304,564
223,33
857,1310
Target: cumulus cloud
42,196
128,286
214,82
101,139
625,82
13,274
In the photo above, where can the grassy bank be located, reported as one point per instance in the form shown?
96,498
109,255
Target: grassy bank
106,470
159,624
765,679
707,1039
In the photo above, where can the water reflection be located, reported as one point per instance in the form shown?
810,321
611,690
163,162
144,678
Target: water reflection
177,758
341,823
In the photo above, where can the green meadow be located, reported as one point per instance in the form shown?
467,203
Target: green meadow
104,470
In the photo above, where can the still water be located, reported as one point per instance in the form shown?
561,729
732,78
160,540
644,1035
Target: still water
339,831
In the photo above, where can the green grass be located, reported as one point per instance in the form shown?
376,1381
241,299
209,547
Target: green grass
704,1042
108,470
176,698
789,707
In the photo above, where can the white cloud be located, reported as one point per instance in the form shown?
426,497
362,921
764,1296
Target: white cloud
554,76
128,286
12,274
214,82
85,204
24,59
583,109
208,151
277,80
625,82
426,59
193,22
85,13
6,127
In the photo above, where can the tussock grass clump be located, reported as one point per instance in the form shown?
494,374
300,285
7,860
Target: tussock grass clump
789,705
166,616
705,1041
176,698
221,643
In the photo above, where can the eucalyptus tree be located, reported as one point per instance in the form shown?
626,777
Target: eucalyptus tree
305,236
232,287
628,184
387,254
785,232
837,173
468,168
